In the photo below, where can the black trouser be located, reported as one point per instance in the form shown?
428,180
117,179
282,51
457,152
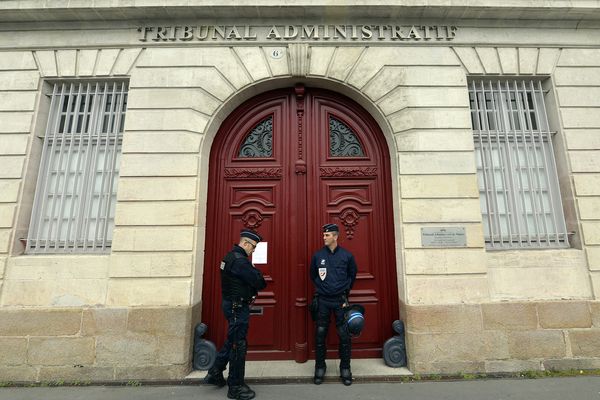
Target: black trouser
327,306
235,346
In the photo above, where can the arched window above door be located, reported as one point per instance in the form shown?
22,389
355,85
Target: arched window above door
259,142
342,140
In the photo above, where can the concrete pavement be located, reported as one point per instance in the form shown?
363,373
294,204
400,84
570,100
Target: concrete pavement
575,388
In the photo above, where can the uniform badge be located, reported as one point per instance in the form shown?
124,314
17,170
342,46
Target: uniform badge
322,273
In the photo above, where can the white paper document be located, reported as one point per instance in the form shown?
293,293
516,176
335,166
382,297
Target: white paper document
260,254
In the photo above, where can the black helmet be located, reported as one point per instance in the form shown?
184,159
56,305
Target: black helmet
354,316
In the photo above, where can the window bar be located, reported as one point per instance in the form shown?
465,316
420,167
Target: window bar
69,130
527,163
79,233
514,216
483,164
520,168
42,184
104,172
492,166
542,212
112,166
89,169
544,130
551,164
52,242
93,169
498,123
51,196
77,193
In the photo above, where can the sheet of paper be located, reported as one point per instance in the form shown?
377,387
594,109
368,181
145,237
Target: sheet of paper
260,254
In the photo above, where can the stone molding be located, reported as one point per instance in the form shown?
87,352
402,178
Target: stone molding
43,10
88,62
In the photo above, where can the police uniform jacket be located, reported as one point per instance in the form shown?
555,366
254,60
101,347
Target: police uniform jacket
240,280
337,268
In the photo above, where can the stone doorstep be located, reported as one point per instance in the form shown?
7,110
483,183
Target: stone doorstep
373,369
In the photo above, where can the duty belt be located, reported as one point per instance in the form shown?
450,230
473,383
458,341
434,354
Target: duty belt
239,300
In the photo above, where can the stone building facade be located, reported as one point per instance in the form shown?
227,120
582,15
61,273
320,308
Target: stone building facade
420,69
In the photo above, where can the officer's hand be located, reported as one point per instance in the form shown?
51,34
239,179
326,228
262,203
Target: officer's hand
346,303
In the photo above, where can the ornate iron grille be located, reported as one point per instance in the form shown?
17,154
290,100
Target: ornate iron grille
259,142
342,140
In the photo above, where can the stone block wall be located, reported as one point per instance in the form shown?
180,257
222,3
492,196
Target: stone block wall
95,344
503,337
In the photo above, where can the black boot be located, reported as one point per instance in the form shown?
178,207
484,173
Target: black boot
345,350
240,392
319,375
215,377
346,376
237,370
320,354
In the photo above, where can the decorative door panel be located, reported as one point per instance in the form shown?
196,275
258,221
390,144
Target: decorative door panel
253,206
285,163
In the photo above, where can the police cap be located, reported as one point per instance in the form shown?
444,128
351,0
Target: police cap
250,234
330,228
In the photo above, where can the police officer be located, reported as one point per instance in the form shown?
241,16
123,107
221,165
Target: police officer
240,283
332,271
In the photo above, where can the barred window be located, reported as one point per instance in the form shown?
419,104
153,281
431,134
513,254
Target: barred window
74,204
518,182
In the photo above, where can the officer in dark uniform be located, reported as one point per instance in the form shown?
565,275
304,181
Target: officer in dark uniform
240,283
332,271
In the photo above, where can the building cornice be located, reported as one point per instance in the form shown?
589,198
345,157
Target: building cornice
114,10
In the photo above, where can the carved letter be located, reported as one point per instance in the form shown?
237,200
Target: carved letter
174,33
160,33
143,30
366,32
397,33
438,31
188,33
291,32
234,34
426,32
326,32
414,34
381,28
451,32
274,33
218,30
200,35
341,29
247,34
310,32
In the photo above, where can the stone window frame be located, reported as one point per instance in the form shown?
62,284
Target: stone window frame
88,132
497,131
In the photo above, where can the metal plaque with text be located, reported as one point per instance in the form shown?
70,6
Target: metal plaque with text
443,237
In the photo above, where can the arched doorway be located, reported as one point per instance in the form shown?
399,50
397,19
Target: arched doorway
284,163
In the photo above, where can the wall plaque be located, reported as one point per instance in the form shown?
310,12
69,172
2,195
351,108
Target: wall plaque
443,237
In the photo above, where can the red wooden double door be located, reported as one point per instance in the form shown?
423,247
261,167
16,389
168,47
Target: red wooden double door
285,163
